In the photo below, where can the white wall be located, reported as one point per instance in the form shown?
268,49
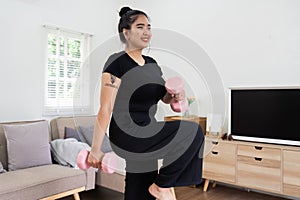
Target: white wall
251,42
22,48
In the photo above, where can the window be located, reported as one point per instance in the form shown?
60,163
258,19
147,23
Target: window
67,81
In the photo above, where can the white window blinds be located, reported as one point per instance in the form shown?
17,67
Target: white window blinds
67,87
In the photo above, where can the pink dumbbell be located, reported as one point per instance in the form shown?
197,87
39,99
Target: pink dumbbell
108,164
175,85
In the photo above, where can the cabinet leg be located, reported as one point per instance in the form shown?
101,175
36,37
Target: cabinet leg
206,185
214,184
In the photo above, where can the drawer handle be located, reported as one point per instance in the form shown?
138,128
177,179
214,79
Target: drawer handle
214,142
215,152
258,148
258,159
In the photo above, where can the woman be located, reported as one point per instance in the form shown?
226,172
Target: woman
132,85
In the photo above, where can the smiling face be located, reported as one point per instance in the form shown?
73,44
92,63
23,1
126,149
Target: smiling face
138,37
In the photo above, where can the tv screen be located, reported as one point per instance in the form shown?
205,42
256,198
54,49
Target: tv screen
269,115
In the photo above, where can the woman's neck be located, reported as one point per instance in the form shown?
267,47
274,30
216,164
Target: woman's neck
135,53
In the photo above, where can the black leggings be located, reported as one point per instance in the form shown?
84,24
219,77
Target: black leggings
137,184
179,169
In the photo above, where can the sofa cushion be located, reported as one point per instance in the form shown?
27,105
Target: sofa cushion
72,133
27,145
39,182
3,148
1,168
88,132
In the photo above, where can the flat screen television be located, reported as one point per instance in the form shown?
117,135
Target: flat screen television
265,114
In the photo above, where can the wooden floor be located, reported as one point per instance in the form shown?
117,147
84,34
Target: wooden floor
185,193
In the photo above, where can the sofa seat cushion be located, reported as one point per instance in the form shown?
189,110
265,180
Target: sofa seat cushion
38,182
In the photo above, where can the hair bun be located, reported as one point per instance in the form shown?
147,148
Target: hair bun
124,10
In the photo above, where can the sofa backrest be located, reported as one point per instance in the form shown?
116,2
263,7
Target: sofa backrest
3,144
58,124
57,130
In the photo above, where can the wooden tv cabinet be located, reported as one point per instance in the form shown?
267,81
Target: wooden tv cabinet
266,167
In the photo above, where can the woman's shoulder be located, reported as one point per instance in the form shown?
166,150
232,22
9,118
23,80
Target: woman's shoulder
115,57
149,59
114,63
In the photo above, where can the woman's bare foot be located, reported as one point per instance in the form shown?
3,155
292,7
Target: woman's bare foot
173,192
162,193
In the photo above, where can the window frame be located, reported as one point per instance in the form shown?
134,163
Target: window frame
68,106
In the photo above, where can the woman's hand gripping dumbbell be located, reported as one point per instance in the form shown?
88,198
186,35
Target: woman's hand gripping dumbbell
108,161
175,87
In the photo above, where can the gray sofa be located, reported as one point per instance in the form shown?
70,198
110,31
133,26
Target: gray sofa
45,182
113,181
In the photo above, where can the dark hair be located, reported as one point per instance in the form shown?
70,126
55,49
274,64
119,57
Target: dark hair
128,17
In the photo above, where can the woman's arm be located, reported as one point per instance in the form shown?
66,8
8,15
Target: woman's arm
109,89
168,97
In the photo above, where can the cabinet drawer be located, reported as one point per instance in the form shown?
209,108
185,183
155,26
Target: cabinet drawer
219,151
260,152
216,145
219,162
291,175
259,173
